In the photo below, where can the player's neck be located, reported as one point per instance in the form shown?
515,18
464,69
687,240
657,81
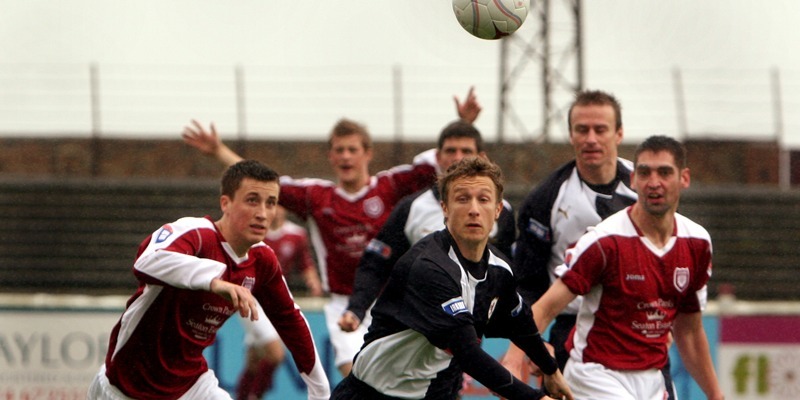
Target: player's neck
472,251
228,236
598,175
354,185
657,229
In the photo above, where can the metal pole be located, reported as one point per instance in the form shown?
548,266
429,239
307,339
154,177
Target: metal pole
397,102
241,108
680,104
94,96
784,161
504,84
546,76
579,43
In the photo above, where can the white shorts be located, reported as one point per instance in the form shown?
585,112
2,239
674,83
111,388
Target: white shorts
260,331
592,381
206,387
345,344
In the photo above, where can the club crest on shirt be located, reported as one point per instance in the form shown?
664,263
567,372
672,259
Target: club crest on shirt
164,233
373,206
492,306
455,306
249,282
680,278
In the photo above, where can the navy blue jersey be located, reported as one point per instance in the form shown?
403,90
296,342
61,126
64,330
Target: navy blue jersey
555,215
413,218
436,306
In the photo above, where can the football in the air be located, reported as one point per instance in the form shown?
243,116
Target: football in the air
490,19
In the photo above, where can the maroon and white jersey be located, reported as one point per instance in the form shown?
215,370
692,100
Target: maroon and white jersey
156,349
633,290
341,224
290,243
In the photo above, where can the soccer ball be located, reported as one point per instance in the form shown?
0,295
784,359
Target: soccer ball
490,19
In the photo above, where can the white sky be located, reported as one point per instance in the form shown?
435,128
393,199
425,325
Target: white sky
308,63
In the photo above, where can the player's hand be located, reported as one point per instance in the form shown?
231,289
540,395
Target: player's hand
470,108
533,368
239,296
349,322
207,141
515,362
557,386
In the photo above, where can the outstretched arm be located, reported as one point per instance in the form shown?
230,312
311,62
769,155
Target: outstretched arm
550,305
470,108
209,143
690,337
464,345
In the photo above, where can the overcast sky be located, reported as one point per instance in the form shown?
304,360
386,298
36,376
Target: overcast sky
309,63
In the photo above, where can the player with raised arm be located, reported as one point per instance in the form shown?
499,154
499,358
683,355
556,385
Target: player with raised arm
194,274
345,215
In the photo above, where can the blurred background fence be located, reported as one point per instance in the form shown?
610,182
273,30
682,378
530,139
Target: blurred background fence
398,103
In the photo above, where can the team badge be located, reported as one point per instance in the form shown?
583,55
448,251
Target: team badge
491,307
249,282
164,233
373,206
455,306
681,279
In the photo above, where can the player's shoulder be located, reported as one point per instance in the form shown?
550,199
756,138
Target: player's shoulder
186,224
323,184
617,224
423,195
262,252
690,229
547,189
499,260
624,166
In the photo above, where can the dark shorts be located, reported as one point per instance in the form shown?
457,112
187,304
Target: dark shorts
351,388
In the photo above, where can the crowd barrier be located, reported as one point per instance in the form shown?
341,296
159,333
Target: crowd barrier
51,347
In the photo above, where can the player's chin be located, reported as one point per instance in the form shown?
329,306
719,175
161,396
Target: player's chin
257,234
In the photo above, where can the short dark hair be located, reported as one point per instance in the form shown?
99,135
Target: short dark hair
469,167
460,129
598,98
347,127
233,176
663,143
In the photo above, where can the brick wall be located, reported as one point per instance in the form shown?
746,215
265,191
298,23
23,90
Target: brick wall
713,163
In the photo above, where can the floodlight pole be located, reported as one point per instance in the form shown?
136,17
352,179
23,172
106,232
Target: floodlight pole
559,54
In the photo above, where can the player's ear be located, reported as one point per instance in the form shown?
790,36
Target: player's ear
685,178
224,201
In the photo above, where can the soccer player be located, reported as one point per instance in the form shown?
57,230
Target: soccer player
415,217
447,292
265,352
579,194
343,216
642,273
194,274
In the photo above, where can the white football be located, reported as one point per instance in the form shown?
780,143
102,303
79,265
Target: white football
490,19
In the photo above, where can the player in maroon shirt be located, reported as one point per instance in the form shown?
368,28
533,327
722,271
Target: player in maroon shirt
265,351
343,216
643,273
194,274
